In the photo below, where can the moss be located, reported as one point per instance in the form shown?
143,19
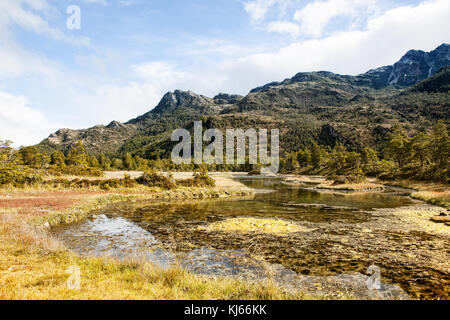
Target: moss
252,225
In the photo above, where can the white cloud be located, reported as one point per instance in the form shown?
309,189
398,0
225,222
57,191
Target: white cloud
14,59
106,102
14,13
160,70
257,9
284,27
386,38
20,123
103,2
315,16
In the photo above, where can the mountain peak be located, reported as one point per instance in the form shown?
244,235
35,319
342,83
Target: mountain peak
413,67
115,124
444,46
178,98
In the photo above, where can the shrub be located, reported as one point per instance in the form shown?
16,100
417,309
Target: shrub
154,179
109,184
19,177
200,179
349,180
76,171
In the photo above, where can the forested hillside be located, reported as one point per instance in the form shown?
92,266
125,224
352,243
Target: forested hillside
316,107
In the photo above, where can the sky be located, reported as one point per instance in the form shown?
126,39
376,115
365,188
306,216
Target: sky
125,54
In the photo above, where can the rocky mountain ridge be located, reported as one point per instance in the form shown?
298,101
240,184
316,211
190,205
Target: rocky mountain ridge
320,106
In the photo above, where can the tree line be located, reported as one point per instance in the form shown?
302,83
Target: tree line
423,156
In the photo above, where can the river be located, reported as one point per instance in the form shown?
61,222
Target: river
354,244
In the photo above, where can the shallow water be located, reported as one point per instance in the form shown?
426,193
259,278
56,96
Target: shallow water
332,259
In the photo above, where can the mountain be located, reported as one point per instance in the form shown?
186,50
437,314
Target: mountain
315,106
413,67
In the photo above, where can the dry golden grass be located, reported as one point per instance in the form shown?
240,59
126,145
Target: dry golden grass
431,192
440,198
252,225
28,273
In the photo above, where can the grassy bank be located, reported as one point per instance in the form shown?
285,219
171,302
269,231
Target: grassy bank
430,192
32,271
439,198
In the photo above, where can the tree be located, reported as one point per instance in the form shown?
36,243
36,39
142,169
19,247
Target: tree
397,146
291,163
440,145
117,164
304,157
77,155
104,161
420,147
316,155
338,159
58,159
31,157
6,154
93,162
369,160
12,172
141,163
354,162
128,162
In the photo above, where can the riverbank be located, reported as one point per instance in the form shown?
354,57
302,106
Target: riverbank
33,265
321,184
430,192
433,218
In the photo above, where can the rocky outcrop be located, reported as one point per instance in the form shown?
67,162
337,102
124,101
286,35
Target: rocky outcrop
99,139
223,98
173,100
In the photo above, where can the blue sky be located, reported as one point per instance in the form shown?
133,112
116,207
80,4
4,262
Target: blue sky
128,53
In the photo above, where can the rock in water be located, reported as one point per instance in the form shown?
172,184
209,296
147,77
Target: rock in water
440,219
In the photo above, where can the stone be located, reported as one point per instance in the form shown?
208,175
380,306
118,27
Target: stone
440,219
